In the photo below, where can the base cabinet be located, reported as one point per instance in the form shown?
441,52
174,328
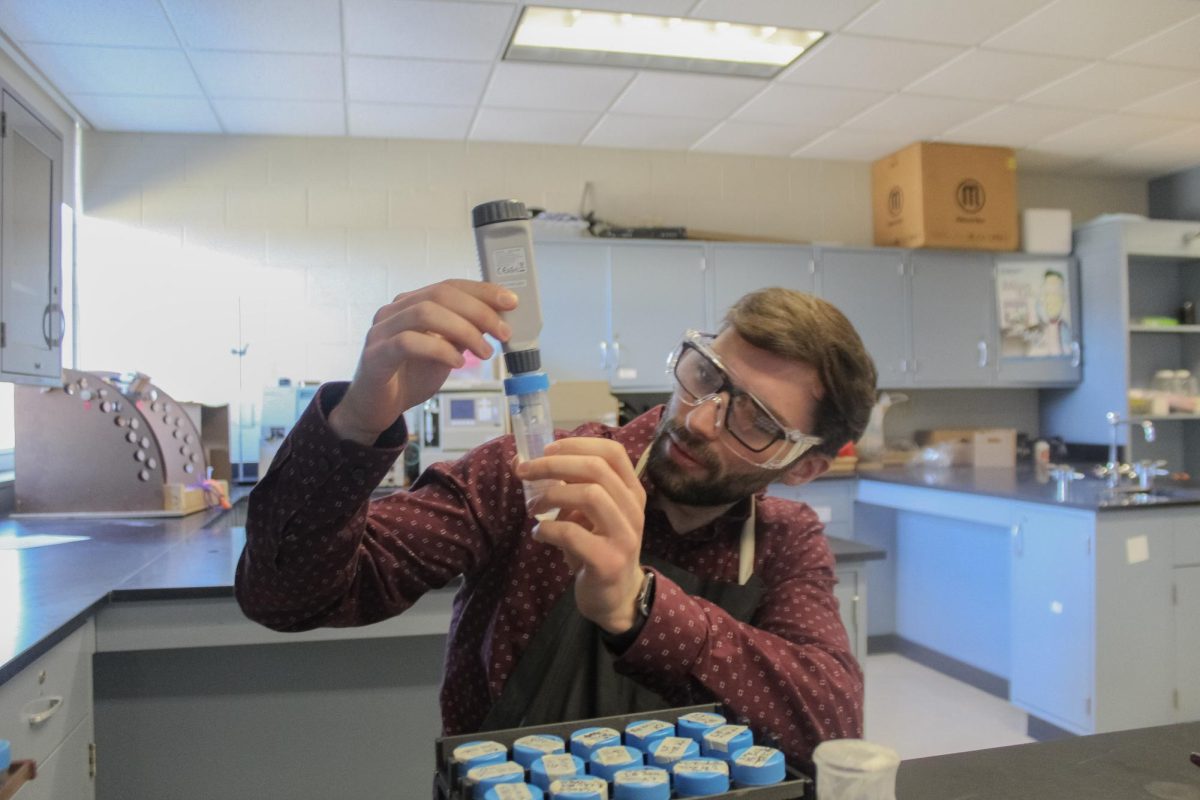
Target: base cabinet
69,772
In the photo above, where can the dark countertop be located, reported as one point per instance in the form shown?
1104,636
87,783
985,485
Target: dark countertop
1024,484
48,592
1144,763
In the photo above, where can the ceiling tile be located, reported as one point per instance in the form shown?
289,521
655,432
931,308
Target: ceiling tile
115,70
1108,87
666,8
269,75
848,145
395,80
409,122
1177,47
1170,153
680,95
1109,133
757,139
812,14
1092,28
282,117
553,87
650,133
153,114
991,75
950,21
119,23
1015,125
860,62
916,116
1183,102
520,125
314,26
426,28
816,106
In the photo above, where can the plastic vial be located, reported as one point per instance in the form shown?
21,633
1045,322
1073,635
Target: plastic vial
529,409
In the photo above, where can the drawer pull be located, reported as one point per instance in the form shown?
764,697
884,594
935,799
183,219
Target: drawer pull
37,712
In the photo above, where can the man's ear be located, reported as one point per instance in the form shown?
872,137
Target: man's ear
806,469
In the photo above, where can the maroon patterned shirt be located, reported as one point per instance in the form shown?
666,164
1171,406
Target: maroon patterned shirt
319,552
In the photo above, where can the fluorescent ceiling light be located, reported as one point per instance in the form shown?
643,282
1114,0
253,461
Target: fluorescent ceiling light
639,40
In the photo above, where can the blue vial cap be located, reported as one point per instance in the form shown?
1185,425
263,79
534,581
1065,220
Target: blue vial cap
548,769
666,752
484,778
513,791
587,740
528,383
696,724
645,732
480,753
606,761
758,766
725,741
5,755
528,749
698,777
579,789
645,783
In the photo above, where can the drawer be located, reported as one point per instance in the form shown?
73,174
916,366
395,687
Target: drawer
66,672
66,774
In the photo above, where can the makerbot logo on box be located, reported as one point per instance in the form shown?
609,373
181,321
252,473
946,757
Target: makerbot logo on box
895,201
970,196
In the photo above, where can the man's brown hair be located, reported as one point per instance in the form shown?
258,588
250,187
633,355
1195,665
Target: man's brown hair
804,328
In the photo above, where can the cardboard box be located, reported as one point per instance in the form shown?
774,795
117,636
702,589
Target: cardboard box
213,424
933,194
572,403
979,447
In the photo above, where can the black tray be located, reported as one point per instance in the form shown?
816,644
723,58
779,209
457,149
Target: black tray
797,786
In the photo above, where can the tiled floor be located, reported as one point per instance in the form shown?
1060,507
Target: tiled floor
920,712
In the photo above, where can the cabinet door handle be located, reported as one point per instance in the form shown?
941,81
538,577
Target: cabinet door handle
603,354
37,712
616,349
1018,539
1075,354
983,353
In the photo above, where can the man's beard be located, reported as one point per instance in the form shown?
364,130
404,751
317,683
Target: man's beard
716,487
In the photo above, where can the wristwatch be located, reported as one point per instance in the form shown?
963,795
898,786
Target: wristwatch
645,597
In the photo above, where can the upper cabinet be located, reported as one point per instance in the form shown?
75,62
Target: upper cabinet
615,310
31,314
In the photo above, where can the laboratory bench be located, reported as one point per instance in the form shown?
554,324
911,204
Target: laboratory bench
131,638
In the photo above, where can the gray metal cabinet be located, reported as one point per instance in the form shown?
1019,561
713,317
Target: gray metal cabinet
740,268
1044,370
1052,619
657,294
574,281
31,316
1186,595
953,327
871,288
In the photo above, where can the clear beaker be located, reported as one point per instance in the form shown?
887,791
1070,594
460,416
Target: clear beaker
854,769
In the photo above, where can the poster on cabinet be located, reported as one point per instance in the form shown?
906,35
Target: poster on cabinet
1034,309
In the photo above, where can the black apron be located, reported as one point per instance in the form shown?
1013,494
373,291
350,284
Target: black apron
566,673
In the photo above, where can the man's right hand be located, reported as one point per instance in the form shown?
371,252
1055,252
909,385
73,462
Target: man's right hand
413,344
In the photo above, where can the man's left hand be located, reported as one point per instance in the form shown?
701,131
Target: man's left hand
599,527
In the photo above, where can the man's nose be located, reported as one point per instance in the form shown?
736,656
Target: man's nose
706,419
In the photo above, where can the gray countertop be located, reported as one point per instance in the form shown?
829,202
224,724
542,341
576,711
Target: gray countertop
1026,485
48,592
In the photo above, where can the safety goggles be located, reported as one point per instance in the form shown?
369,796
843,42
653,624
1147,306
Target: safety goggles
703,377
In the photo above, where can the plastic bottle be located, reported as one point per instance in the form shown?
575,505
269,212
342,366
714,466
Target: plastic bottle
504,242
529,410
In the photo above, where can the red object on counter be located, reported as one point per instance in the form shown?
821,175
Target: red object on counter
848,450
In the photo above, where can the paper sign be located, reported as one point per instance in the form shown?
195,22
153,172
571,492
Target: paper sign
627,374
41,540
1137,549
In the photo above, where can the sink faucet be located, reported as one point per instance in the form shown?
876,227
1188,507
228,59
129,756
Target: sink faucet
1114,470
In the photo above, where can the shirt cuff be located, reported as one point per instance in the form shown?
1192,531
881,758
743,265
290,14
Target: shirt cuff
672,637
332,393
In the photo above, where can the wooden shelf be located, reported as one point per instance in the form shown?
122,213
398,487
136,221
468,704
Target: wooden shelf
1164,328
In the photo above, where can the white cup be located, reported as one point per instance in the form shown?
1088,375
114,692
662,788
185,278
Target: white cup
854,769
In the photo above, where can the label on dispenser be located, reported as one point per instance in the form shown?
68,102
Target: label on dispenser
510,261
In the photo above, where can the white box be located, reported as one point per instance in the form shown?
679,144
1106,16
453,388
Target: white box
1046,230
